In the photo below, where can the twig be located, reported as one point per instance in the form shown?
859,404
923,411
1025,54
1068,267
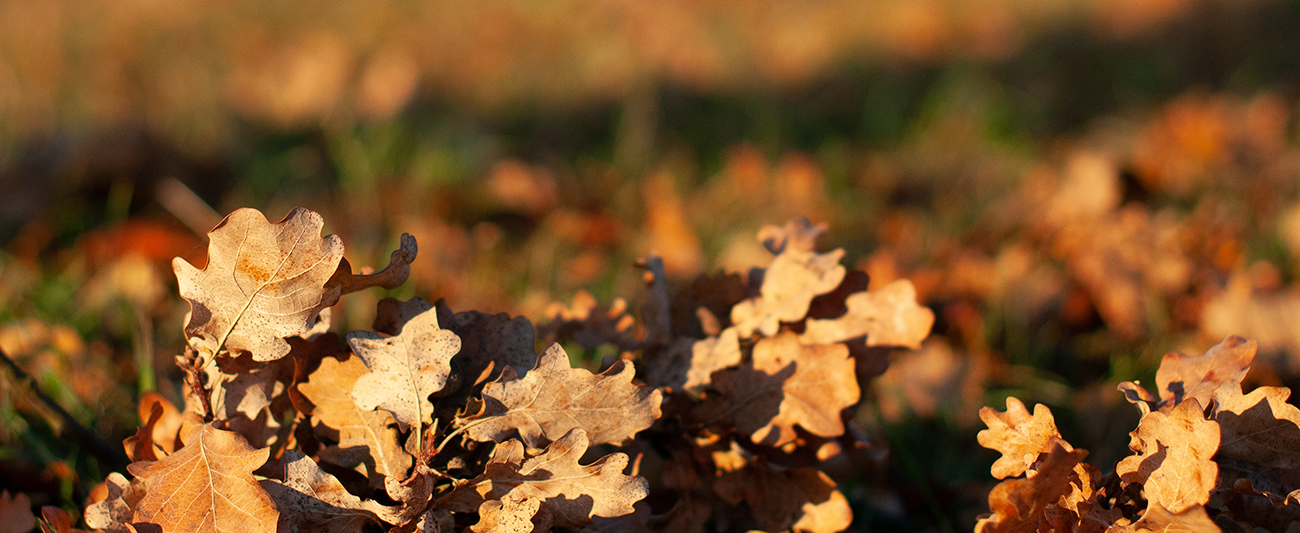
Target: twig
112,457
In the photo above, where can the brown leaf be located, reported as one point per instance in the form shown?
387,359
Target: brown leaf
507,516
1173,461
1260,427
311,499
1160,520
113,513
16,513
492,341
165,430
364,436
574,493
801,499
391,277
588,324
1181,376
140,447
207,486
1020,437
711,355
263,282
243,402
553,399
1020,505
56,520
404,369
794,278
889,316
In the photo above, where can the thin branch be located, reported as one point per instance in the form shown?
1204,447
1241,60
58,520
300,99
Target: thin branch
112,457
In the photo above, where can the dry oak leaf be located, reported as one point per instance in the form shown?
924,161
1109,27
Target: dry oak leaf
554,398
404,369
16,513
391,277
313,500
790,283
263,282
364,436
1020,437
168,425
113,513
1173,461
1019,505
56,520
1181,376
711,355
1159,520
492,342
507,516
207,486
800,499
572,492
1259,428
140,447
889,316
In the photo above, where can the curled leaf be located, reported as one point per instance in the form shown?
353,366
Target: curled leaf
1181,376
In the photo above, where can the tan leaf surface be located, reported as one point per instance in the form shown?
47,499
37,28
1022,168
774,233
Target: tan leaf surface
801,499
164,432
1173,461
711,355
16,513
823,384
391,277
1019,505
207,486
554,398
311,499
794,278
243,402
113,513
889,316
574,493
1018,436
404,369
263,282
1260,427
494,341
506,516
1159,520
140,447
1181,376
364,436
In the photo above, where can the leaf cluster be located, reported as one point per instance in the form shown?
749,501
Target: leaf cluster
729,392
1206,457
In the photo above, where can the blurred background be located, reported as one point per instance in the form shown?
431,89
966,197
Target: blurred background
1075,186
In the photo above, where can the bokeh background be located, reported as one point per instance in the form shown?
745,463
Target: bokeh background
1075,186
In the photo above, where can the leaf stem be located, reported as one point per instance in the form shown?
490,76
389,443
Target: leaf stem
458,431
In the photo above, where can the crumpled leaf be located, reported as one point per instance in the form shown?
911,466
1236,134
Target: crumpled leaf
113,513
1019,505
243,402
404,369
889,316
313,500
1180,376
1020,437
786,383
553,399
491,341
1174,457
574,493
263,282
16,513
790,283
364,436
207,486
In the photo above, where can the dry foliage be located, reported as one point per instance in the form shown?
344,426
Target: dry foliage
444,421
1205,458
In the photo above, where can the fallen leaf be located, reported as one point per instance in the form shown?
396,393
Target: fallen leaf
1020,505
889,316
140,447
311,499
507,516
207,486
492,341
16,513
56,520
168,425
554,398
790,283
113,513
711,355
263,282
404,369
364,436
1160,520
1020,437
1173,461
1180,376
801,499
391,277
574,493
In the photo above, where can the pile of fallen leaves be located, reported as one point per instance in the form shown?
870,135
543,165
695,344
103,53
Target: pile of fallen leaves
1206,457
728,392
